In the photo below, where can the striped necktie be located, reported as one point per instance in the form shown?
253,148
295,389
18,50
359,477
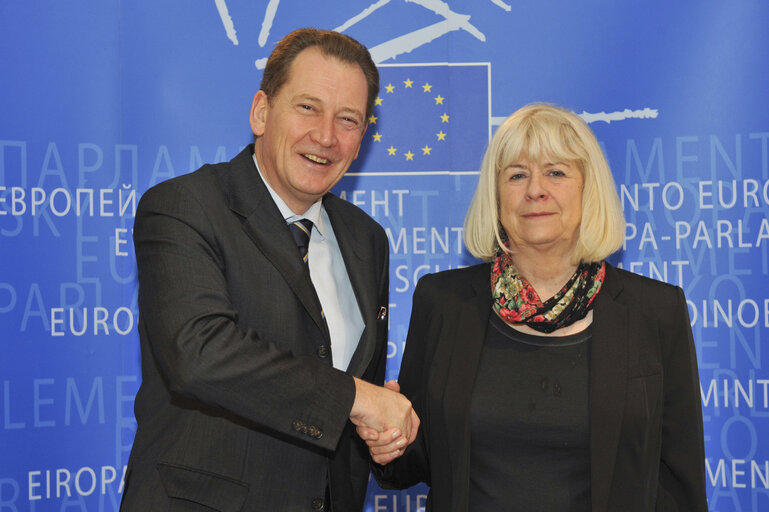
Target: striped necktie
301,230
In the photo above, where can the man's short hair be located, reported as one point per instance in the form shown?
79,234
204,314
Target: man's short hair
331,44
541,130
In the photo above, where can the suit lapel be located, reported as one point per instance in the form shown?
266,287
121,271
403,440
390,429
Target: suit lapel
266,227
608,385
358,261
465,340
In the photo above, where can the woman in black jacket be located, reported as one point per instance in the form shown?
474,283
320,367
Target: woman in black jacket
546,379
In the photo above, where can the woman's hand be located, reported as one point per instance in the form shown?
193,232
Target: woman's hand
386,446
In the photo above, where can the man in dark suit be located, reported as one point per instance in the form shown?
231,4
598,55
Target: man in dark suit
258,345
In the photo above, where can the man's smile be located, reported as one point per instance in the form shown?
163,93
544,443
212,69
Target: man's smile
315,158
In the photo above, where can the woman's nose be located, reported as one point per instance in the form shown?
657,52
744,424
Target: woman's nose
536,188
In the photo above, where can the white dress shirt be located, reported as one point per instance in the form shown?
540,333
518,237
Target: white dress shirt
329,276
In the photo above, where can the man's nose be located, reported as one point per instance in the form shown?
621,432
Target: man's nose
324,133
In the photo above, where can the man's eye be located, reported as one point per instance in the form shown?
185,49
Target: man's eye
349,123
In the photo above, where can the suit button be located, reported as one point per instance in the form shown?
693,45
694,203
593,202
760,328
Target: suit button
318,434
323,351
297,425
317,504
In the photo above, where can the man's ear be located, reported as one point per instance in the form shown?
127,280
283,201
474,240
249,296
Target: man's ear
259,109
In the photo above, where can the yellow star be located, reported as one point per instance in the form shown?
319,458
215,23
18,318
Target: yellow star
372,119
377,137
439,100
408,83
391,151
427,87
426,150
390,88
441,135
378,101
409,155
445,118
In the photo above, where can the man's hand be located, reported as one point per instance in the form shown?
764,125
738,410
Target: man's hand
384,419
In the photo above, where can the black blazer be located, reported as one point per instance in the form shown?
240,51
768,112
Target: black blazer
646,440
240,408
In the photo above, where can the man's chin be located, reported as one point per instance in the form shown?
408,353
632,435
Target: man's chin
318,188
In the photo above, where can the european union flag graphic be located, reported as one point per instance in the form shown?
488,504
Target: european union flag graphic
428,118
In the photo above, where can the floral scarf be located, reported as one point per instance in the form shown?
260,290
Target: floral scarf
516,302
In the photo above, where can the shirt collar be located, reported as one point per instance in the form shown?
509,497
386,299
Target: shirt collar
313,212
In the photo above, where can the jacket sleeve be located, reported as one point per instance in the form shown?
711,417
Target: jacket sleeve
191,327
413,466
682,461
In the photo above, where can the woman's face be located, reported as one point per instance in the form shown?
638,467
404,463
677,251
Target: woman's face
540,203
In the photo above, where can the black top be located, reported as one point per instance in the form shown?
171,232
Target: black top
529,423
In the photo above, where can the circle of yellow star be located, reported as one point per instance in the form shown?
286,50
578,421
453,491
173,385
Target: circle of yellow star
372,119
439,100
391,151
409,155
390,88
441,135
408,83
427,87
378,101
445,118
426,150
377,137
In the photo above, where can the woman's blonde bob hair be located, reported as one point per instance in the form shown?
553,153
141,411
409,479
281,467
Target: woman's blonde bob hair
537,131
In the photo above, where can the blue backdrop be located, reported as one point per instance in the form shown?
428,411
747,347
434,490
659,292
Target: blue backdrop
100,100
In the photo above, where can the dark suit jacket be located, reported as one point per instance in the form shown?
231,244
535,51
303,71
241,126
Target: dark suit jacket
240,408
646,441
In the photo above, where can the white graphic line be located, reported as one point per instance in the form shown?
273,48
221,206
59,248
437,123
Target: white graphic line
229,26
399,45
442,9
363,14
413,40
606,117
500,3
269,18
413,173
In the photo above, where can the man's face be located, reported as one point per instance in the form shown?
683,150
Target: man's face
309,133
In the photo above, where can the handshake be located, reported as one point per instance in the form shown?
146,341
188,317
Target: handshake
384,419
